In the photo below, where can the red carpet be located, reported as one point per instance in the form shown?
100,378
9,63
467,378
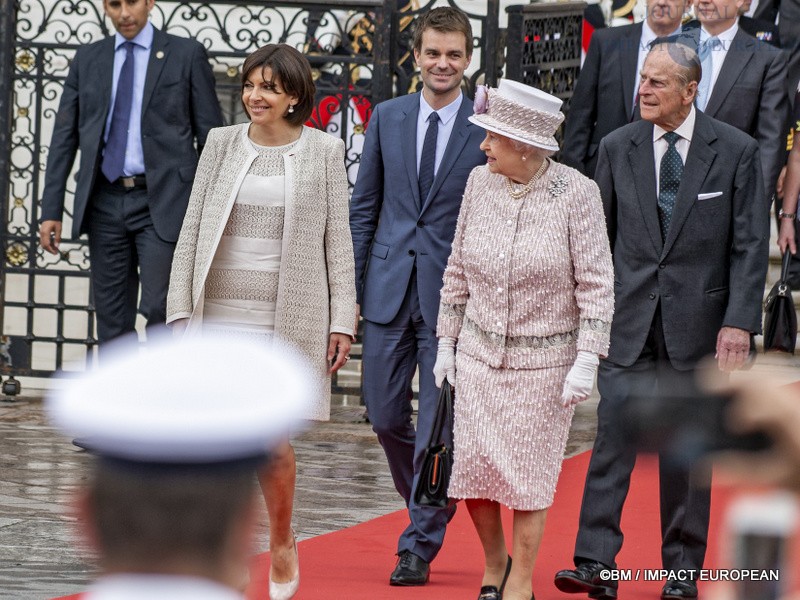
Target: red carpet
364,555
354,563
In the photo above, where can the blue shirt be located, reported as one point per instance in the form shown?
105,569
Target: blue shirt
134,155
447,118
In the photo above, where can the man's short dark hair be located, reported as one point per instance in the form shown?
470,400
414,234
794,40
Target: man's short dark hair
145,518
292,70
445,19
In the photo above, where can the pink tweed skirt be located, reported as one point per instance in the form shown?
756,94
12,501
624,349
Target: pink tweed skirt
510,431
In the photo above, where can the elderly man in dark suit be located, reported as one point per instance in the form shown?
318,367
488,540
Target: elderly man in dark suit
419,151
138,105
689,244
606,90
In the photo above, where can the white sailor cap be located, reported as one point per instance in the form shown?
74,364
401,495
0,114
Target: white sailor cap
204,401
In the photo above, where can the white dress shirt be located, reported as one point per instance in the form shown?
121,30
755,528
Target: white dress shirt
660,145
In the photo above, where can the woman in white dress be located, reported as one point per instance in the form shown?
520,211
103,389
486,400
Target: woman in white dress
527,300
265,251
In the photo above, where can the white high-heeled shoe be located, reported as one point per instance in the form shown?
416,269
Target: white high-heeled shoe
286,590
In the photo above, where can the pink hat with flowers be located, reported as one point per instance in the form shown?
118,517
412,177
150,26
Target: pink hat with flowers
520,112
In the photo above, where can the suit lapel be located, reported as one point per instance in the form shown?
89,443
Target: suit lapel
458,138
105,71
158,56
408,137
643,174
739,55
698,161
628,61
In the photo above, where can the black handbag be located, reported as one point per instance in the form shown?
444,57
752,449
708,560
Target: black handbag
438,462
780,319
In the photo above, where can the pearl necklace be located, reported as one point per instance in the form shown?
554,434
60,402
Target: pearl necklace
517,194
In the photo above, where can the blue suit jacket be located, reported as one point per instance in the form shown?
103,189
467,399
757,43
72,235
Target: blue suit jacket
393,228
179,107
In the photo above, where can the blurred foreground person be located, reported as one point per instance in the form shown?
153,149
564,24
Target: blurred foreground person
527,301
170,505
689,241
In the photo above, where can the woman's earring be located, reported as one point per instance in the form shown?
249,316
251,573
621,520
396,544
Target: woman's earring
524,157
291,108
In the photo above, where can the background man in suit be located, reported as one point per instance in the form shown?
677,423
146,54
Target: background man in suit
689,245
417,155
606,90
789,28
760,29
744,82
135,104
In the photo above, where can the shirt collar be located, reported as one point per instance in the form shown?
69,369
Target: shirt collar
143,39
726,37
684,130
446,114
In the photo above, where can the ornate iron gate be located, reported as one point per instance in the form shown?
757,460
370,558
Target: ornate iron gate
359,48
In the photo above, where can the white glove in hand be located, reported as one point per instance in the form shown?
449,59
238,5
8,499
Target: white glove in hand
445,362
580,379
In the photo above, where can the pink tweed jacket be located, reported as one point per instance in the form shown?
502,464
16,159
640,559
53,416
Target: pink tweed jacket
529,282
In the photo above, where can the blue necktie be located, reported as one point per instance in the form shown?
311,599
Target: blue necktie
114,155
427,161
705,55
669,181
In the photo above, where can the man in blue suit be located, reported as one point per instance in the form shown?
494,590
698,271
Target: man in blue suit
418,153
138,105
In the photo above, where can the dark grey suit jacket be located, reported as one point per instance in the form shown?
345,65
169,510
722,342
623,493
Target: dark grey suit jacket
750,94
709,272
603,97
179,107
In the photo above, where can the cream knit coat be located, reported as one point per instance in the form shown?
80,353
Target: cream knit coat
316,285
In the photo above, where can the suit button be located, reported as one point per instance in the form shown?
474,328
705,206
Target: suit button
420,223
412,253
652,296
661,266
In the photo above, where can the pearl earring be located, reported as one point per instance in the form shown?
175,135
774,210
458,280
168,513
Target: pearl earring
524,157
291,108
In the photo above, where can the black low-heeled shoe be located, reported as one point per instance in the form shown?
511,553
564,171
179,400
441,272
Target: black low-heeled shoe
492,592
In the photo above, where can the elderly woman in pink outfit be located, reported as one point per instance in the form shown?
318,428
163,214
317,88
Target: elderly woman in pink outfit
527,301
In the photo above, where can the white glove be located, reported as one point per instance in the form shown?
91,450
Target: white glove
580,379
445,362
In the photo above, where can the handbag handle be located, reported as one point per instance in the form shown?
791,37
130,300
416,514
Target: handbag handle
786,261
444,413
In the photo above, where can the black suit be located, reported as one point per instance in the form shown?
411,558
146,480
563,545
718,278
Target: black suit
603,97
671,299
761,30
789,27
179,107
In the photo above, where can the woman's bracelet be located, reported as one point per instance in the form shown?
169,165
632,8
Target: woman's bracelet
785,215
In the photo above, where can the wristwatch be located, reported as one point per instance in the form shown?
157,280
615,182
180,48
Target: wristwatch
785,215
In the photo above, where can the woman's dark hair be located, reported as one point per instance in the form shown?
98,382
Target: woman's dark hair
293,72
